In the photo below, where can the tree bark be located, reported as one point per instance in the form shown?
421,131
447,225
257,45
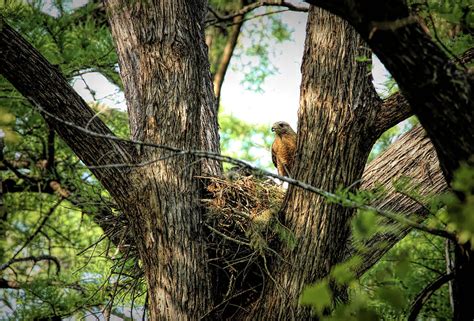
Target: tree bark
416,160
439,91
463,282
165,72
335,118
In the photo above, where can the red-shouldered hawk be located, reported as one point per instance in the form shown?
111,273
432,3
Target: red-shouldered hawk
283,148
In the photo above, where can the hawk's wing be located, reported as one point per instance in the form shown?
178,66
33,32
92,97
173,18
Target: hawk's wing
274,157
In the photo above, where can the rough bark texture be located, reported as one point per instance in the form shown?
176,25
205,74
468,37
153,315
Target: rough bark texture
335,125
165,72
439,91
416,161
393,110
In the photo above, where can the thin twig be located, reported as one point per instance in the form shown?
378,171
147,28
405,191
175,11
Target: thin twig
226,236
259,171
32,236
34,259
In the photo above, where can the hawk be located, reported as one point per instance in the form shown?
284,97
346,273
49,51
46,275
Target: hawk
283,148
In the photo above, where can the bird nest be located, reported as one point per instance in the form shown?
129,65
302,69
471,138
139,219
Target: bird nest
243,235
244,232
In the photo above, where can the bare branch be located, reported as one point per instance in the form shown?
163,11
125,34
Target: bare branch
393,110
215,156
426,293
35,259
258,4
396,108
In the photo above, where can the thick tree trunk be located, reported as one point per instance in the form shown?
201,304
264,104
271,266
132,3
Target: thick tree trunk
439,91
335,137
165,72
463,283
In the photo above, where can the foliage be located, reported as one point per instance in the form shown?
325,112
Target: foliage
384,293
250,142
460,205
76,41
253,59
387,289
391,135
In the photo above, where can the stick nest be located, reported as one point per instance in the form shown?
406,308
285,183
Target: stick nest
244,233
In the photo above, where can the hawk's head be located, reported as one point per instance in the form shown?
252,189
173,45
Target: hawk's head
281,127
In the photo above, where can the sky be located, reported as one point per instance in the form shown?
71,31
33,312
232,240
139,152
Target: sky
278,100
279,97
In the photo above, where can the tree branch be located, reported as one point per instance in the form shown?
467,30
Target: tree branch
439,91
34,259
426,293
45,87
248,8
392,111
411,156
396,108
226,56
31,237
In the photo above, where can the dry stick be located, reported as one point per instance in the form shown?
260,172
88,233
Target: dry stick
227,237
215,156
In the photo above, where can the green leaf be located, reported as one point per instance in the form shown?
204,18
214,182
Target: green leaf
318,296
343,273
364,225
393,296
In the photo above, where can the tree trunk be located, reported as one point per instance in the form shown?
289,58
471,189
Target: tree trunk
439,91
165,73
463,283
335,137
